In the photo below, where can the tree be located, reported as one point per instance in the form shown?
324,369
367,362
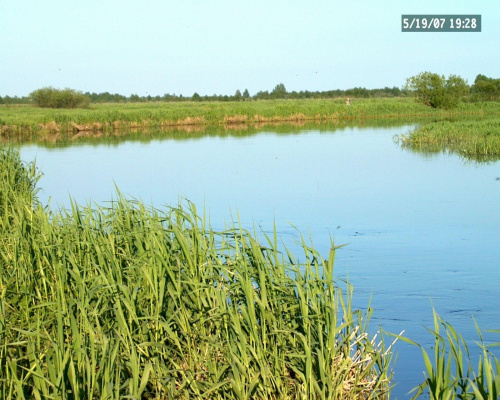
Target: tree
134,97
238,96
436,91
246,94
279,92
456,87
57,98
196,97
262,95
485,88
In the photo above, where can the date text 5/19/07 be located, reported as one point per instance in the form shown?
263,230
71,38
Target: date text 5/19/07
441,23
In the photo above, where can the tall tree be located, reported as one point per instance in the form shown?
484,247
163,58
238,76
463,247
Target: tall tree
279,92
486,88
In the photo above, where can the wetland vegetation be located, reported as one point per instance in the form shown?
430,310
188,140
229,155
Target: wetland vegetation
477,140
27,120
62,113
129,301
125,300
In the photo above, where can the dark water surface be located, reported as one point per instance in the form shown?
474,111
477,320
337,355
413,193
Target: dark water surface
421,230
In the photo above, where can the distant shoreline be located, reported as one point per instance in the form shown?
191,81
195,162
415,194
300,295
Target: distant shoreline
30,120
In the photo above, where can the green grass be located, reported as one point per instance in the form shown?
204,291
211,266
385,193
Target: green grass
127,301
449,372
25,120
473,139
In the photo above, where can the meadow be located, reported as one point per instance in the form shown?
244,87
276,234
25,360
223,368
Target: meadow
26,120
127,301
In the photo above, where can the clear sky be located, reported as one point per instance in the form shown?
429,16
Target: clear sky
218,46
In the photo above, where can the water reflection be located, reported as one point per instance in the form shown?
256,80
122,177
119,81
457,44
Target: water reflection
52,139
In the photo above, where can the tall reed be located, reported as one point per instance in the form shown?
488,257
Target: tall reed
127,301
449,372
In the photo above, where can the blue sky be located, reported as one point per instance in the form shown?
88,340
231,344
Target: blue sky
218,46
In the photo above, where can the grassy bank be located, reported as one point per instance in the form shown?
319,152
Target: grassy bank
102,117
126,301
190,132
473,139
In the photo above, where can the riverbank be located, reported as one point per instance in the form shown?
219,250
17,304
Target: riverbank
18,121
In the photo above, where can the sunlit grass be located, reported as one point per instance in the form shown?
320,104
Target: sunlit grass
449,371
125,300
17,120
472,139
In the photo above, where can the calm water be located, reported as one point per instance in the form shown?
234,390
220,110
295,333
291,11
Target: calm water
422,230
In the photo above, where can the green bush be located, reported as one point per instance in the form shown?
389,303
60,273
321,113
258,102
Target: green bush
436,91
486,89
59,98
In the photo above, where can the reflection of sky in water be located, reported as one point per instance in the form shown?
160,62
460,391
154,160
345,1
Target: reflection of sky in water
417,227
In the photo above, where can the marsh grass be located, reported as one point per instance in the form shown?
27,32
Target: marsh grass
126,301
26,120
449,372
472,139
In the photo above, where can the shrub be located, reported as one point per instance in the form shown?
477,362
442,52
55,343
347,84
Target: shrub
56,98
487,89
437,92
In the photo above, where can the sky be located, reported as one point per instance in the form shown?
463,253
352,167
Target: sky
210,47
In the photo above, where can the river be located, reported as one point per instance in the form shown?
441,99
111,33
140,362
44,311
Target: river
421,230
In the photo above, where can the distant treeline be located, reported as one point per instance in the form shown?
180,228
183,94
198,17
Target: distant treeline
484,88
279,92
